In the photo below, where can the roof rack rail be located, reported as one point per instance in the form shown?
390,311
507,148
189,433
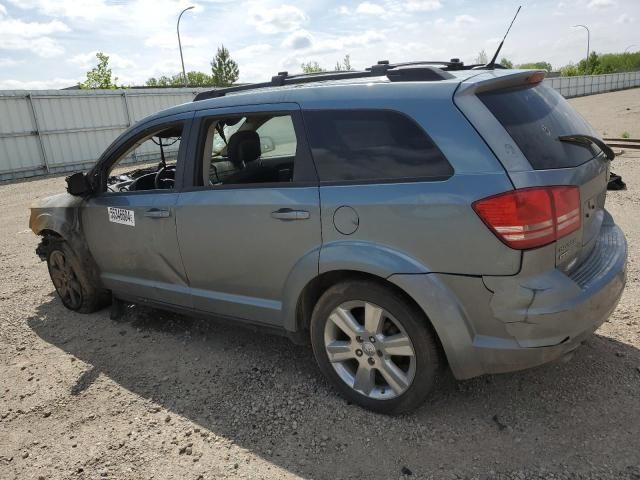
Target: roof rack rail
410,71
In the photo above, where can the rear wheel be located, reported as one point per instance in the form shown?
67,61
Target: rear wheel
375,347
74,287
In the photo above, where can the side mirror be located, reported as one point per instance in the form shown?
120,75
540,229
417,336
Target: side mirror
267,144
78,184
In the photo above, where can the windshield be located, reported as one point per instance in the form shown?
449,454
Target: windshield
535,116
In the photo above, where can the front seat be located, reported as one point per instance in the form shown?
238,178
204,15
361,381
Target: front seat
243,150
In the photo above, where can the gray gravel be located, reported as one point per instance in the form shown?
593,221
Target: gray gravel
156,395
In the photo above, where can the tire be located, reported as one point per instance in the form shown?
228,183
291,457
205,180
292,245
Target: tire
387,375
73,285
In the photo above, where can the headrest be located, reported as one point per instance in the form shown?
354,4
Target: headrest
243,148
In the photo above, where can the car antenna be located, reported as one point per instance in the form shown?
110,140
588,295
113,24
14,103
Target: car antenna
491,64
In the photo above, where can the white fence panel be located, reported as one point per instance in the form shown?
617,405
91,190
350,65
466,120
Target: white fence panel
54,131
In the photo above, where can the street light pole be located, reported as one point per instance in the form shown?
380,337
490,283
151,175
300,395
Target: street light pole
588,41
184,73
627,49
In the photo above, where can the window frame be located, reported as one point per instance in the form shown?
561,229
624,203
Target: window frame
380,181
304,172
100,172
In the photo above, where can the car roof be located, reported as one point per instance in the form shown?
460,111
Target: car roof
330,92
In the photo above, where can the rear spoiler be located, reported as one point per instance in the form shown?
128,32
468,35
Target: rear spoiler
499,80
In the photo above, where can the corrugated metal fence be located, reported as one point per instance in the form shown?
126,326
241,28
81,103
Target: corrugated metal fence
591,84
55,131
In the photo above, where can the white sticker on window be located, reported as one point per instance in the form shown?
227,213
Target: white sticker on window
120,215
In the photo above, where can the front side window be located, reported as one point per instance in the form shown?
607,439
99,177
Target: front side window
149,163
251,149
370,145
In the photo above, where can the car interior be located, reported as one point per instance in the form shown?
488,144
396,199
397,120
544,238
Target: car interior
237,151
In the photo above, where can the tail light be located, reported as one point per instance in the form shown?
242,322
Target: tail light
531,217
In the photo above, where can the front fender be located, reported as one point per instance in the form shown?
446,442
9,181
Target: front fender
60,214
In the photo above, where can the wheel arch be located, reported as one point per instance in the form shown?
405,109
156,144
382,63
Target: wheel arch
313,290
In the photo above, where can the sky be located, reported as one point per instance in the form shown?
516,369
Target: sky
52,43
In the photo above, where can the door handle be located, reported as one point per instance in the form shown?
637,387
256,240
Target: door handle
157,213
289,214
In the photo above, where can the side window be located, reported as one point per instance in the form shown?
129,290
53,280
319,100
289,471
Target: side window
370,145
248,150
149,163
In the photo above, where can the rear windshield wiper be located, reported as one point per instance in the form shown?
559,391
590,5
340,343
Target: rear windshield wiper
589,140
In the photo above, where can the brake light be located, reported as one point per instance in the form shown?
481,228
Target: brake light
536,77
531,217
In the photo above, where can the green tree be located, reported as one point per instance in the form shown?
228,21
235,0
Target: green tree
537,65
506,63
312,67
194,79
224,70
345,66
100,76
482,58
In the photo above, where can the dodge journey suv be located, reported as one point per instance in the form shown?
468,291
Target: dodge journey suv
399,219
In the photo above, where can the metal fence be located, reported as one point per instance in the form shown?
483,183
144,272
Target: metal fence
570,87
55,131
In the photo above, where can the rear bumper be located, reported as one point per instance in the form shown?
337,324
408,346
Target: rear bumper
503,324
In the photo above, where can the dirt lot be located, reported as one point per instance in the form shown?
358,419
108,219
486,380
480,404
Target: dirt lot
157,396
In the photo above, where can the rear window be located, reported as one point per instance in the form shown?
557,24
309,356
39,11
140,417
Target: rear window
535,117
370,145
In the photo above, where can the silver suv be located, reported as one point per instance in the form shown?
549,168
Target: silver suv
399,219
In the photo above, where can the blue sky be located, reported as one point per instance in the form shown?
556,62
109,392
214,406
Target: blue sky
52,43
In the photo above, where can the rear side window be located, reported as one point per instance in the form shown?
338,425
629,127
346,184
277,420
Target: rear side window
370,145
535,117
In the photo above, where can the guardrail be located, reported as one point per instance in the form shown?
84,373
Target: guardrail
54,131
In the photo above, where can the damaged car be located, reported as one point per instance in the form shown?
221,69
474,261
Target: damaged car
400,219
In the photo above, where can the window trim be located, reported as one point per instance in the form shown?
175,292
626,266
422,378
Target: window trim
113,153
379,181
304,173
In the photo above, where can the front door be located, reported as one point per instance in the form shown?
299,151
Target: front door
252,216
130,227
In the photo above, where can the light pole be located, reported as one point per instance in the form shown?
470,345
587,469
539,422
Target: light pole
630,46
588,40
184,74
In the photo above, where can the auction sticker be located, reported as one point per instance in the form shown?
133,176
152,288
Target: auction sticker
120,215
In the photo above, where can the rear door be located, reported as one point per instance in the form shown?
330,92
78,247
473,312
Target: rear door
523,119
245,224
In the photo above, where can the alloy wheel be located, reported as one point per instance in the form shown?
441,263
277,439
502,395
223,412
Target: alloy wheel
370,350
65,280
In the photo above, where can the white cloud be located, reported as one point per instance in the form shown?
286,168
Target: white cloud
285,18
343,10
423,5
253,50
8,62
461,20
3,10
298,40
168,40
594,4
88,60
624,18
50,83
369,8
33,36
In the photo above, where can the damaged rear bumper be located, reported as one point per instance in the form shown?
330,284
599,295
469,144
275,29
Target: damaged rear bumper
503,324
549,314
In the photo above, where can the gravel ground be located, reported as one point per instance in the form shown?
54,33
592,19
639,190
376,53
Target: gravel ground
161,396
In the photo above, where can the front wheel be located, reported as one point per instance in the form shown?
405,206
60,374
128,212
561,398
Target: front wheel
74,287
375,347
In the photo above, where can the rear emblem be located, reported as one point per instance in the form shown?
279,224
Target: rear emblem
546,130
